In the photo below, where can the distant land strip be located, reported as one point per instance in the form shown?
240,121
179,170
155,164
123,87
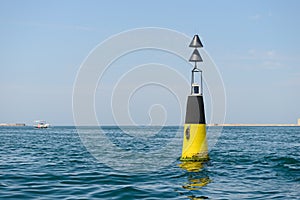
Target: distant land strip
23,124
253,124
12,125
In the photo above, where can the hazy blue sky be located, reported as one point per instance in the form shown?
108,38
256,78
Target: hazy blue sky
255,44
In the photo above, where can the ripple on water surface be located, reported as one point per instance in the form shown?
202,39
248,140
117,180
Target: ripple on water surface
246,163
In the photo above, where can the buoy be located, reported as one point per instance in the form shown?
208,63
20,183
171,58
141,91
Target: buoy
194,146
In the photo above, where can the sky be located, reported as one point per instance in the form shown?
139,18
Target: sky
255,45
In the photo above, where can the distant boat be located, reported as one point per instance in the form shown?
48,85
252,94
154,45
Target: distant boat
41,124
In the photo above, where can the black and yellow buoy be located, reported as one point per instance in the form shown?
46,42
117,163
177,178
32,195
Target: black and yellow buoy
194,146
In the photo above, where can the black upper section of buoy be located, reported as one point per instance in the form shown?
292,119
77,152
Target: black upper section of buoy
195,110
195,57
196,43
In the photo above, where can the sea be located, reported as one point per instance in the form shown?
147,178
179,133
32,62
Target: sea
144,163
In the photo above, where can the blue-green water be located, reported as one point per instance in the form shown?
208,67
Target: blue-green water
246,163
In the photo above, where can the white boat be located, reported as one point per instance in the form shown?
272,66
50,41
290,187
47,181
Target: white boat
41,124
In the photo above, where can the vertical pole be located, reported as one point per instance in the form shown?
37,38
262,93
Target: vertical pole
192,81
201,83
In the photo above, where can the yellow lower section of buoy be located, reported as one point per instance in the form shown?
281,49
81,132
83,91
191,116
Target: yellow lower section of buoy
194,146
